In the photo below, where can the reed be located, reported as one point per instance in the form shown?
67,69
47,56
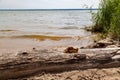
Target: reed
107,19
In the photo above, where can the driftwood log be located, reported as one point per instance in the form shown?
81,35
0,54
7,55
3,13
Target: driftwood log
23,64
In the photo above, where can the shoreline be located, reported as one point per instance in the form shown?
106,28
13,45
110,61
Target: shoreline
26,42
9,45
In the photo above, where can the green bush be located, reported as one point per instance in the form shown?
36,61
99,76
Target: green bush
107,19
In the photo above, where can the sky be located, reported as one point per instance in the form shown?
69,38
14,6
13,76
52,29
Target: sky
48,4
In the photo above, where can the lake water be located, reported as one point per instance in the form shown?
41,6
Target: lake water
60,22
40,23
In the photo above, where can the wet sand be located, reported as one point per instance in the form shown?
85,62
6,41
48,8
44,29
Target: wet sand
8,45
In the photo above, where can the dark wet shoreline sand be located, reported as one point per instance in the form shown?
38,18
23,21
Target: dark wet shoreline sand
26,42
42,37
8,45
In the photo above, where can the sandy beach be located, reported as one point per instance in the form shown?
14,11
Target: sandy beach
8,45
22,43
90,74
12,45
26,35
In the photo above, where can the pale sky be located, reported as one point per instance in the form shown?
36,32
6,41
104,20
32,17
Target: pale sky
47,4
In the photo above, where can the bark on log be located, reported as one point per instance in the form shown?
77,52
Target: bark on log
27,63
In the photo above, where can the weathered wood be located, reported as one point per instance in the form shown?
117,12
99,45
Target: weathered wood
36,61
101,44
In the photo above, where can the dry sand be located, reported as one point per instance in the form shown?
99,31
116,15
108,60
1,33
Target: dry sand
91,74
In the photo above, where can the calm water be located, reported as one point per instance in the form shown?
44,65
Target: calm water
67,23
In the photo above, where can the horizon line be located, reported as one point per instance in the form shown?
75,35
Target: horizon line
46,9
